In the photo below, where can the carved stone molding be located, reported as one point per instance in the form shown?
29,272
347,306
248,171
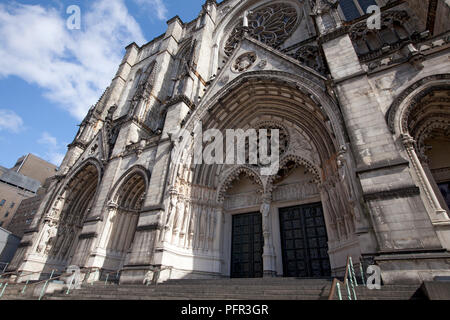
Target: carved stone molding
393,109
226,184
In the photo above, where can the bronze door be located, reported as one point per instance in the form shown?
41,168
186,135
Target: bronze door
247,246
304,241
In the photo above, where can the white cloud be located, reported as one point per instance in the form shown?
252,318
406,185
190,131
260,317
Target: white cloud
10,121
72,66
157,5
54,150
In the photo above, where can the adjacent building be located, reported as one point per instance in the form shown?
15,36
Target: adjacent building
21,182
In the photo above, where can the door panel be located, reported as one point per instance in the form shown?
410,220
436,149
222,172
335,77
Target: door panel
304,242
247,246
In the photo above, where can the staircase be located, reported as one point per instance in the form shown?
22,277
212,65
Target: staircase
230,289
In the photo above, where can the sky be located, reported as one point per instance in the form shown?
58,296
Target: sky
53,66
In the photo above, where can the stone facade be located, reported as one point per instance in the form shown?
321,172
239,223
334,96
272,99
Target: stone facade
365,120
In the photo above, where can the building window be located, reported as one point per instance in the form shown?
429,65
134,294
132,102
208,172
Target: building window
2,202
12,205
1,223
353,9
28,221
32,212
6,214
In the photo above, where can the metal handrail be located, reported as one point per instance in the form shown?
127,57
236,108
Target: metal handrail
349,276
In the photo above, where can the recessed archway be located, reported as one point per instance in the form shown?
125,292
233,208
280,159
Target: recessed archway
122,217
314,140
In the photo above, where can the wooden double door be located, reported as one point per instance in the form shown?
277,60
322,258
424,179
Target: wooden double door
303,243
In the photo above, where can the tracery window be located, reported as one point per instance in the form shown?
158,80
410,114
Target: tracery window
272,25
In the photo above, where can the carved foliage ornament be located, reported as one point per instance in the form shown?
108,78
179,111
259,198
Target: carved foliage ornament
272,25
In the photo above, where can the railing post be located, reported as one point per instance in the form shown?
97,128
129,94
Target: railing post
106,281
25,287
45,285
361,269
352,269
353,286
3,290
70,284
348,291
338,286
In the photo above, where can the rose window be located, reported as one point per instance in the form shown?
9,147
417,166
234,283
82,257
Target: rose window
272,25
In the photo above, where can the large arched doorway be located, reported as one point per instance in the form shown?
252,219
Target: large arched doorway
64,221
122,219
312,146
243,241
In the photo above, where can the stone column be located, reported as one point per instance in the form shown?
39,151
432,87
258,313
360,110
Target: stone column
268,253
218,230
440,214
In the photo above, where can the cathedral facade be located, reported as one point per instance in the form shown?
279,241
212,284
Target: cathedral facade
362,106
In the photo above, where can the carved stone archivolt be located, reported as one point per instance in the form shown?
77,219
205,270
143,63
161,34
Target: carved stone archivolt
272,24
241,170
415,116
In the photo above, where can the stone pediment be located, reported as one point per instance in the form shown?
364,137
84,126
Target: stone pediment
253,56
95,149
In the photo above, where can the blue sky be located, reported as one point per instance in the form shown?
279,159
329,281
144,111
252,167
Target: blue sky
51,75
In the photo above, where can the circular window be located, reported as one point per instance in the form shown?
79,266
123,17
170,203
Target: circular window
272,25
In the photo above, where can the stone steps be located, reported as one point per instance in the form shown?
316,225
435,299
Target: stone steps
224,289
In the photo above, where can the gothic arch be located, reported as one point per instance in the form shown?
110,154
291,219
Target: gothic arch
65,215
70,177
307,94
233,175
123,208
299,161
135,170
420,112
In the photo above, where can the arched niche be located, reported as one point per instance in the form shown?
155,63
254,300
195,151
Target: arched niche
122,215
315,141
65,215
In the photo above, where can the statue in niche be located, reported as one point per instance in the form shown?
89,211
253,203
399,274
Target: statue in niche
212,225
202,223
265,210
179,214
184,69
49,233
191,228
171,214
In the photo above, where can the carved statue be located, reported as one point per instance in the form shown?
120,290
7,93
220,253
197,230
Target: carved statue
265,210
47,239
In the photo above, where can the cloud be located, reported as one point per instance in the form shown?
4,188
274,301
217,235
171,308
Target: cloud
54,150
10,121
152,5
73,67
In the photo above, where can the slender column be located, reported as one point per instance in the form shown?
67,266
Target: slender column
268,265
408,142
218,230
